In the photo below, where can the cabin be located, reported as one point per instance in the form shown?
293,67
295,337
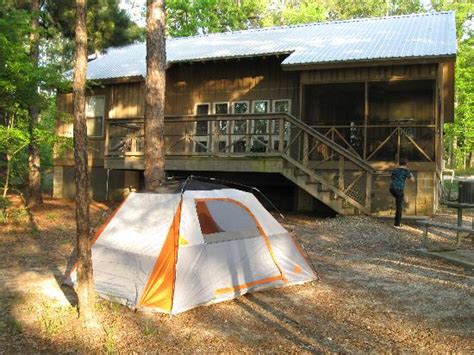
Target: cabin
316,115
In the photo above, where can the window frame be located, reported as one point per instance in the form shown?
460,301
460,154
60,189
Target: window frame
241,102
269,108
202,103
202,138
101,136
220,103
277,100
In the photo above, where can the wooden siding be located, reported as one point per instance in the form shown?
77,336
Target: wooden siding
243,80
381,73
127,100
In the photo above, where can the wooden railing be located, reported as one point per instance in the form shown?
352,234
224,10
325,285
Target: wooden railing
385,142
307,151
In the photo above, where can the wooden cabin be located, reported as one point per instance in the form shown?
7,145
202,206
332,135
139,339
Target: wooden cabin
315,115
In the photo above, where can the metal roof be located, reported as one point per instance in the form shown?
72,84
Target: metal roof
397,37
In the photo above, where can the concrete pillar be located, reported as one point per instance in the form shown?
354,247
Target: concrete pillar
58,178
304,201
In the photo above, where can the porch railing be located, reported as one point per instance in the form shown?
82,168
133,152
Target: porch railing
309,152
385,142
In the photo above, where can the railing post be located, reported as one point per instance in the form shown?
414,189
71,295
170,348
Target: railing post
106,148
281,135
215,136
187,141
341,173
269,125
368,191
305,148
399,137
248,135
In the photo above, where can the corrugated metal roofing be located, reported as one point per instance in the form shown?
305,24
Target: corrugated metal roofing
397,37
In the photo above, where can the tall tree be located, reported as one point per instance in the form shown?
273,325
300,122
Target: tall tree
155,95
191,17
34,159
85,291
107,24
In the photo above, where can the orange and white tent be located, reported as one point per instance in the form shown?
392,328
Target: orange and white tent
170,252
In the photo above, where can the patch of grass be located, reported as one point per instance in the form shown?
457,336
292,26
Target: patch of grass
15,325
52,216
110,344
10,324
150,329
115,308
19,215
52,318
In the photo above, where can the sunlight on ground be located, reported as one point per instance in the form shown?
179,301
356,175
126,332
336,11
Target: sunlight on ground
51,290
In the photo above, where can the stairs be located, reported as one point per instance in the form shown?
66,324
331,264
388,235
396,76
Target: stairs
327,171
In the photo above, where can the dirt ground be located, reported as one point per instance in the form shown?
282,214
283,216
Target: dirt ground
375,293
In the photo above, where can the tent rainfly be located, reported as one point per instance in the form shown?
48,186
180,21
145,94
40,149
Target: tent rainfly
175,250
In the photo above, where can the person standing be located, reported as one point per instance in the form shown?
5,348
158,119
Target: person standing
397,187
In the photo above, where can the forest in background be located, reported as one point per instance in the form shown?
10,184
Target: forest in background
37,46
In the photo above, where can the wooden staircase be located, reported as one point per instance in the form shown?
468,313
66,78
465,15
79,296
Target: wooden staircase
327,171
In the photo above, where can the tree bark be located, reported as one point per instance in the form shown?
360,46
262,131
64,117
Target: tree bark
85,287
155,95
34,160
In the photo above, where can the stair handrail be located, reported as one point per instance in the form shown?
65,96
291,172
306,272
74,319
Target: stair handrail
333,145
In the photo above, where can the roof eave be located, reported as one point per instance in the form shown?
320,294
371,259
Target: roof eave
370,62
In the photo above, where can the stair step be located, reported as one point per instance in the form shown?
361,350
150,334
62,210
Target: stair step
298,172
310,181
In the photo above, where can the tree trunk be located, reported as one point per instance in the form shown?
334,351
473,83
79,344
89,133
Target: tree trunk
34,161
7,177
155,95
450,152
85,287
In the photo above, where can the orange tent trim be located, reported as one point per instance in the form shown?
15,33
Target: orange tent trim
158,292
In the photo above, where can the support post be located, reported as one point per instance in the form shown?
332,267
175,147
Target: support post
368,191
281,135
424,239
305,149
341,172
366,117
458,234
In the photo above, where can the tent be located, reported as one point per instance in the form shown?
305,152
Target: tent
184,247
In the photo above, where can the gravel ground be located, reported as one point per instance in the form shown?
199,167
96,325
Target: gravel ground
374,293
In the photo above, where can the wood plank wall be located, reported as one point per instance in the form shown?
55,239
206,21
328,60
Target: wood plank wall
380,73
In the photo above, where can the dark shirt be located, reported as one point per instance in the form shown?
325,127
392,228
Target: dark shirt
399,177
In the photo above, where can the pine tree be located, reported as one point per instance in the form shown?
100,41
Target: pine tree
155,95
85,288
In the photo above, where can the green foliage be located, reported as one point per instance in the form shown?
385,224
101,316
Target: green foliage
191,17
53,317
150,329
110,343
462,130
107,24
24,84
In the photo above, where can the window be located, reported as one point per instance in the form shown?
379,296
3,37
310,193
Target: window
221,108
260,106
225,219
282,106
95,108
202,109
202,129
240,107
